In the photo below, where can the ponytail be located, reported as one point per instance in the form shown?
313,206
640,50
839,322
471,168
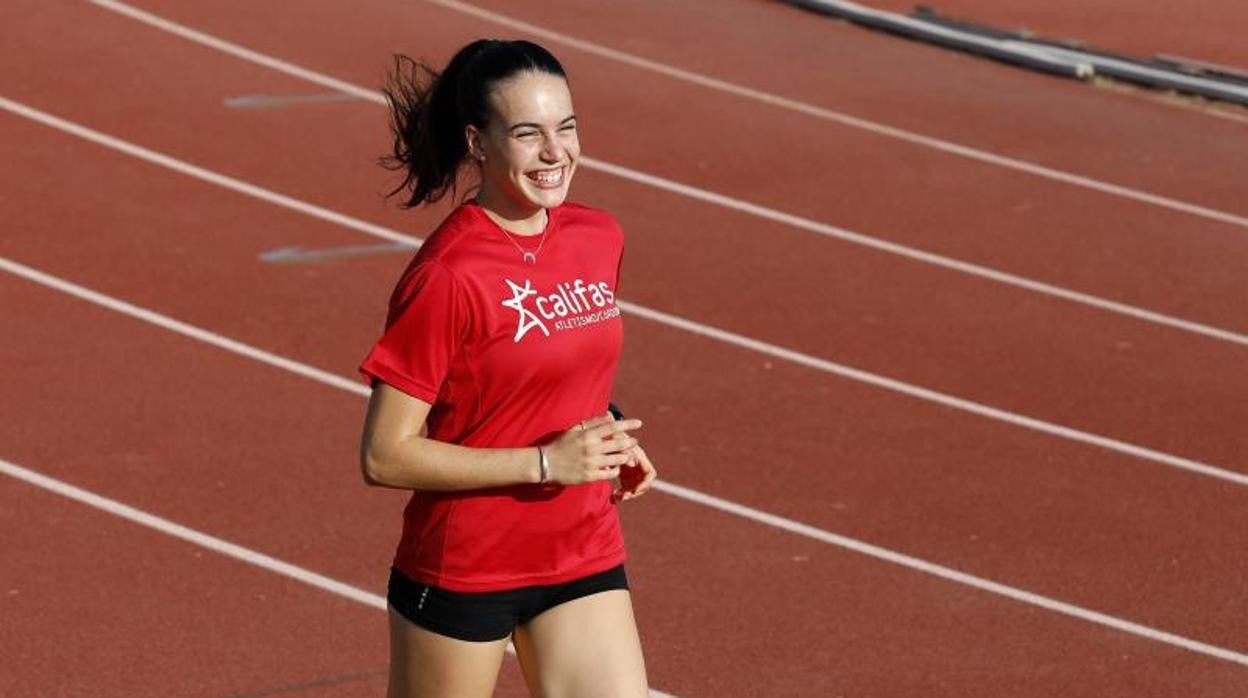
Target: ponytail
429,111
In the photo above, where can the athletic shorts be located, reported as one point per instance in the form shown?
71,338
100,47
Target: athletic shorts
492,615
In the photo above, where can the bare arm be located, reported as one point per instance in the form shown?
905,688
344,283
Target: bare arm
394,451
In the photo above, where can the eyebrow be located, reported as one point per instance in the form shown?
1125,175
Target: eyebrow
530,124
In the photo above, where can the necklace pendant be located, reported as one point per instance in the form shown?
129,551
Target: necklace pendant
530,258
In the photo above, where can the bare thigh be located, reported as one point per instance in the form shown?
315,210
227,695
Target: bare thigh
424,664
586,648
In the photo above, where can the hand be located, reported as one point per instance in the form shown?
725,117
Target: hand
593,450
635,477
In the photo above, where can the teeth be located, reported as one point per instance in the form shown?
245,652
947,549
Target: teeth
548,176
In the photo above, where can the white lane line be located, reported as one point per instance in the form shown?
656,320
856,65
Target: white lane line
928,395
675,321
297,255
710,197
182,328
952,575
933,259
238,51
843,118
204,540
201,173
280,101
193,536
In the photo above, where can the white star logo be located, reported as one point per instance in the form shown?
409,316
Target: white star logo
527,319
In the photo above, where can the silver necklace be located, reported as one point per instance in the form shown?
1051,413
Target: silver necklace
527,255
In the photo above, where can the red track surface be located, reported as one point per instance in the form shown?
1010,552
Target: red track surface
265,459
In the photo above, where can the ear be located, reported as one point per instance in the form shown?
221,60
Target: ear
473,137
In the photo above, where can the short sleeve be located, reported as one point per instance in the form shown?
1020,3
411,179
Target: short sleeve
424,330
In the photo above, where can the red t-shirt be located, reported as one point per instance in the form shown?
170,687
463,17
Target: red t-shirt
509,354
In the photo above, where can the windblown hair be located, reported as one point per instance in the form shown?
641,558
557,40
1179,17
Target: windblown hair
429,110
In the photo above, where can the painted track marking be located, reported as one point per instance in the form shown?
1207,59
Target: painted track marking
296,254
710,197
279,101
190,535
657,316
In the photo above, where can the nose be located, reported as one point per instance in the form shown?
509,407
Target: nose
552,149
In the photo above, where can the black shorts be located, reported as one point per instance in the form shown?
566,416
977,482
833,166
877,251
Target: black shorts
491,615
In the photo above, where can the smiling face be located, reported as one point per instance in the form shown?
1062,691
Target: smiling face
529,149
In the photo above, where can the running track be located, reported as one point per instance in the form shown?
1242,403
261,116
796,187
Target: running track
265,458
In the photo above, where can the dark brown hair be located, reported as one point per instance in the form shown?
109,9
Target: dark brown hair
429,110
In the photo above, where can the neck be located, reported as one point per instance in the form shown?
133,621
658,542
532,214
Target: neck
513,219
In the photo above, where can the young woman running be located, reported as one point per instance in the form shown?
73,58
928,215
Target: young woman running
491,387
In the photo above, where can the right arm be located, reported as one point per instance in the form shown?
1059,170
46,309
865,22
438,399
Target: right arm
395,452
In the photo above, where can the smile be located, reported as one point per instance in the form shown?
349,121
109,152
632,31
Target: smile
547,179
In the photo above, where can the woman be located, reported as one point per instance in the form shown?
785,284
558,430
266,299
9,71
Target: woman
491,385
